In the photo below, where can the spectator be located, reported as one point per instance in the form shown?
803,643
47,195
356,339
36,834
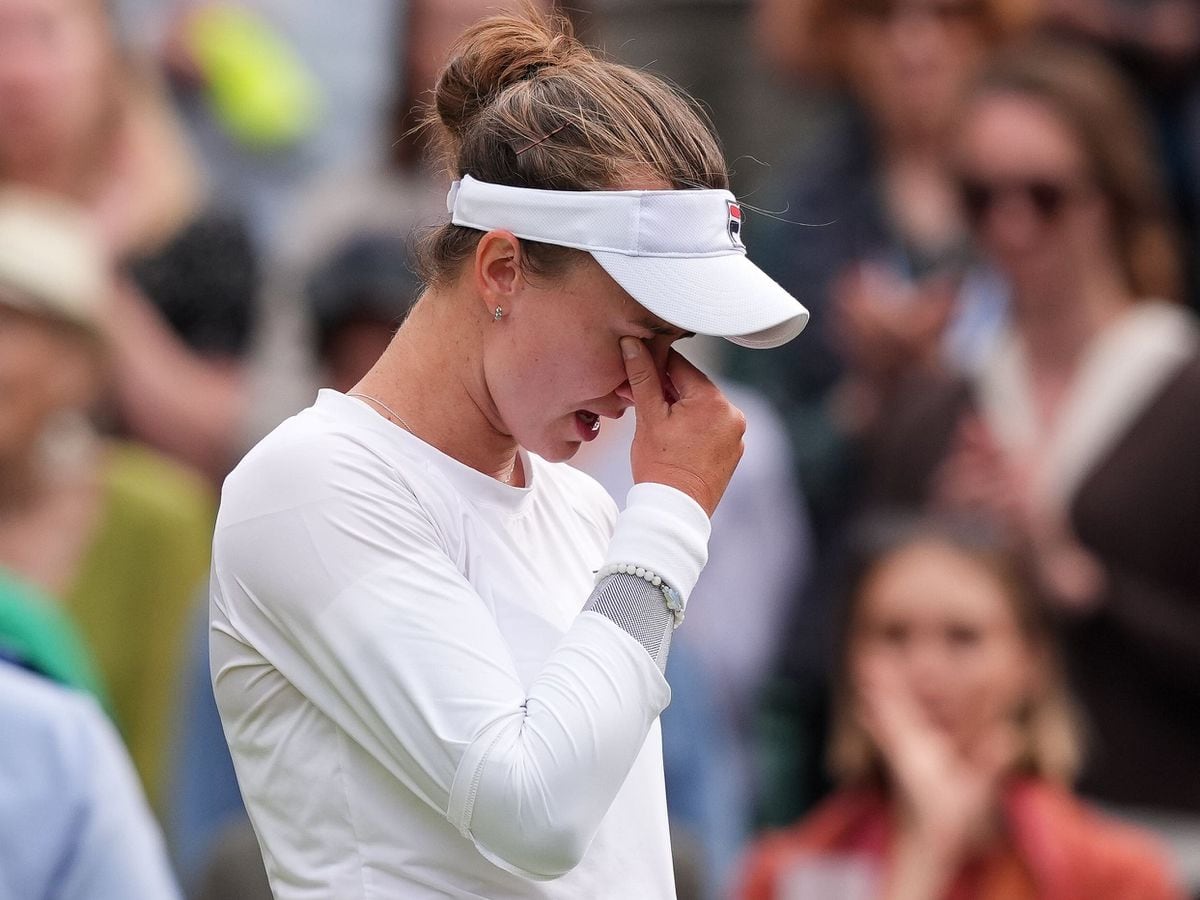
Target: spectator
883,267
1079,432
953,745
117,533
74,824
78,120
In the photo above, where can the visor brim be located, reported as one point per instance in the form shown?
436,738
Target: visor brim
724,296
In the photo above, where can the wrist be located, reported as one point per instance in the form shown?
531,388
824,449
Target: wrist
664,530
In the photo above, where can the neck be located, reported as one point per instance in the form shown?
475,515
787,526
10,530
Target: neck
22,482
432,376
1058,324
910,142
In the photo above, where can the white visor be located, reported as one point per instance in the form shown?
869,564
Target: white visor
678,253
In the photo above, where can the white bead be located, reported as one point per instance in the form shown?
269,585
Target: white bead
656,581
640,572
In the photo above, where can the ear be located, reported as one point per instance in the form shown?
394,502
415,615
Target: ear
499,275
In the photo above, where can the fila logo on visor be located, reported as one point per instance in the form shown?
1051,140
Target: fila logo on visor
735,224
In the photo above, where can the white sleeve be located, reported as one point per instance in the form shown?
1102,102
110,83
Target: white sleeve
353,595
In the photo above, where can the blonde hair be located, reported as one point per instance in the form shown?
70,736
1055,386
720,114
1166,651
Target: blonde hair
1094,101
522,102
1049,721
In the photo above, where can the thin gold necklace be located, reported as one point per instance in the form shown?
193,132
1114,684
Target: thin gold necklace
507,479
387,409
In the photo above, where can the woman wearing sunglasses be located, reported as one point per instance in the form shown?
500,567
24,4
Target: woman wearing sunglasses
1080,430
437,649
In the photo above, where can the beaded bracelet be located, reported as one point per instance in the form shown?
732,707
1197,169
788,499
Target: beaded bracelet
671,596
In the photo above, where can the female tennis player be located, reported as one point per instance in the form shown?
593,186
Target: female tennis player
438,651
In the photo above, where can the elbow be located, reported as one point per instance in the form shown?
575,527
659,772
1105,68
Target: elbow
542,854
559,851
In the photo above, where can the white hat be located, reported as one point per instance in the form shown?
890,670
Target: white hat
51,261
678,253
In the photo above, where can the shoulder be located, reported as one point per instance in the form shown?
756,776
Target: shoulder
326,487
50,736
1115,858
323,454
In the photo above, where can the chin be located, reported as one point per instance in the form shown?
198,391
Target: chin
557,451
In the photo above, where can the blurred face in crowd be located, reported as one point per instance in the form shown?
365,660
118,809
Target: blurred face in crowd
45,367
55,78
944,625
908,59
1027,191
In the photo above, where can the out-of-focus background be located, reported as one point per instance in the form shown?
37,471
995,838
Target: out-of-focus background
992,209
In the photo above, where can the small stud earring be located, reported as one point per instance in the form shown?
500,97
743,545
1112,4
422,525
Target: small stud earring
499,313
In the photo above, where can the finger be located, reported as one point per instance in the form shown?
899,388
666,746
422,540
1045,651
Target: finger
644,383
685,377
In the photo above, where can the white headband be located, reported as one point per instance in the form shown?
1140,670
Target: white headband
678,253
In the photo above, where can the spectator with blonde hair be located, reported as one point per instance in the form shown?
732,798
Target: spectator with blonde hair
954,744
1079,431
870,229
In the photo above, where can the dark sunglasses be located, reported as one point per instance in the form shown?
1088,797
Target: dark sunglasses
1046,197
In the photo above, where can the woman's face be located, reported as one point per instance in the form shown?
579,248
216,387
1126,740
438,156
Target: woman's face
942,624
54,77
553,364
909,59
40,363
1028,194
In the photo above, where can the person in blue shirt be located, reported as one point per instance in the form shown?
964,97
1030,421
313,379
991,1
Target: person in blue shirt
74,824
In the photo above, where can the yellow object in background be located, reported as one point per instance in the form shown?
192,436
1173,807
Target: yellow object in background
260,90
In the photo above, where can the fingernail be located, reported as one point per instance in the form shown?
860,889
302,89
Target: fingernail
629,347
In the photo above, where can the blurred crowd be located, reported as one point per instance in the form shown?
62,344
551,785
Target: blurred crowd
948,642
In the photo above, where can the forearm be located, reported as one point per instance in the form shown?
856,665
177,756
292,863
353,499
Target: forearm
588,712
665,532
170,397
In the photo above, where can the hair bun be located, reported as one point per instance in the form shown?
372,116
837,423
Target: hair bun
496,53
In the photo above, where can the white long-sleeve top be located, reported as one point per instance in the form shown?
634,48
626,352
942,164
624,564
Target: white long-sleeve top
415,704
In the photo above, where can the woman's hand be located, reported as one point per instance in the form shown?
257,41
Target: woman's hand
948,795
979,477
692,444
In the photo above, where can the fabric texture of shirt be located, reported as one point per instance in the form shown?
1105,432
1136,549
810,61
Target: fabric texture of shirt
74,824
415,704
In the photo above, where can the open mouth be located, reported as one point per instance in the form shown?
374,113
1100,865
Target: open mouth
588,424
